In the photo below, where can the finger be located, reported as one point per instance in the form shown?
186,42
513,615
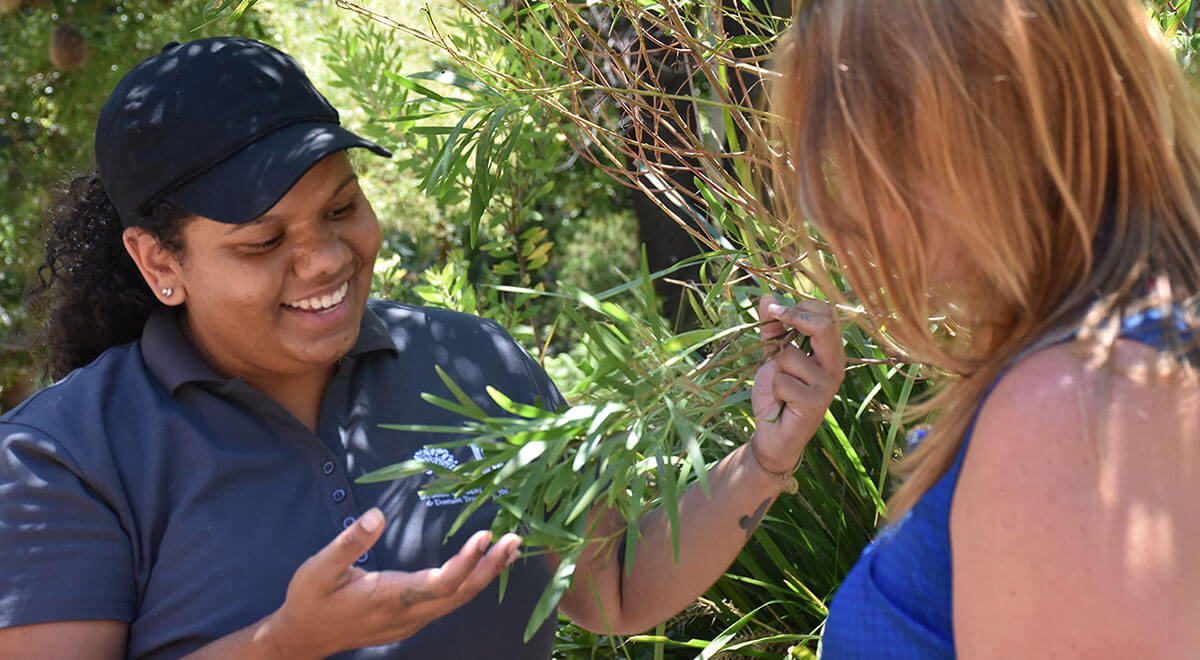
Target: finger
828,348
427,595
503,553
440,590
332,561
794,362
446,579
769,330
794,393
815,319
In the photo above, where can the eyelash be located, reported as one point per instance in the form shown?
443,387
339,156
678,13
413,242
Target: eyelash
336,214
345,210
266,245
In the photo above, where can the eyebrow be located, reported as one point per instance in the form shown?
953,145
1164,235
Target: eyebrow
266,218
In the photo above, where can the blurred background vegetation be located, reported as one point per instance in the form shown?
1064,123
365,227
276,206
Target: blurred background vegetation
536,143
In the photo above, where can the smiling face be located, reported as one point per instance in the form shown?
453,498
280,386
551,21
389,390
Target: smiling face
282,295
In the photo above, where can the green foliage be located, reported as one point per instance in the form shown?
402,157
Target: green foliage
1178,21
522,91
652,410
655,410
511,194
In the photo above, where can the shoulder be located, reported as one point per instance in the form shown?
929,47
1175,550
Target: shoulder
402,318
473,351
96,419
1061,416
1067,522
116,380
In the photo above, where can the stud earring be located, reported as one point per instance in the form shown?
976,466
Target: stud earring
167,291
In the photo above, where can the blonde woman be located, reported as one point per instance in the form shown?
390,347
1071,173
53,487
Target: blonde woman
1028,172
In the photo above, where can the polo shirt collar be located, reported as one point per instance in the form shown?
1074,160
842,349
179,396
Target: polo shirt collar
373,335
174,361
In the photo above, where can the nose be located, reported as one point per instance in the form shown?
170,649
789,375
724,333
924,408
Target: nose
322,253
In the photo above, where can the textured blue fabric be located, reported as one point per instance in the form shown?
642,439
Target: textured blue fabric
896,600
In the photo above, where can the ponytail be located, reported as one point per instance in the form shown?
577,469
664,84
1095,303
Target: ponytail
96,296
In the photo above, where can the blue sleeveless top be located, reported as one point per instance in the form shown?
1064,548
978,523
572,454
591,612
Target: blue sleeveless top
896,600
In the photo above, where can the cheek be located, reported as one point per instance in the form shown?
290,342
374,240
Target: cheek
367,237
235,288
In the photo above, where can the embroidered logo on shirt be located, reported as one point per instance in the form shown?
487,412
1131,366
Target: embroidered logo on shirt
437,456
442,457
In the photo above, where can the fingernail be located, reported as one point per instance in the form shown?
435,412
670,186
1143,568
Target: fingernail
371,520
484,541
512,556
776,310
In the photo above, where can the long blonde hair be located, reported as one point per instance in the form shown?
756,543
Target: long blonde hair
1050,146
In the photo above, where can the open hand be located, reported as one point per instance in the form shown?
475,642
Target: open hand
792,389
334,606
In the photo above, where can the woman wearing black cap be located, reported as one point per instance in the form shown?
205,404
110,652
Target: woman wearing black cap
188,487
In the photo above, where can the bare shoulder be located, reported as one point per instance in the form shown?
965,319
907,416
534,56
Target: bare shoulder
69,640
1073,521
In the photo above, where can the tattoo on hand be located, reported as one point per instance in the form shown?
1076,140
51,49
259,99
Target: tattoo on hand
751,521
416,596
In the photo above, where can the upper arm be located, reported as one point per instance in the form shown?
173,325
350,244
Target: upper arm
65,553
1073,526
66,640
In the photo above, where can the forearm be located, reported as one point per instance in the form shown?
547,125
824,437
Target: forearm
264,640
712,532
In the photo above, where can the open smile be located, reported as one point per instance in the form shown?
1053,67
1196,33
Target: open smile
321,303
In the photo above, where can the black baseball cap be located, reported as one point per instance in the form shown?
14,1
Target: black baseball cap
222,127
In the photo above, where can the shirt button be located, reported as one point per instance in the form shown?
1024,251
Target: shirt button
347,521
339,495
328,467
363,559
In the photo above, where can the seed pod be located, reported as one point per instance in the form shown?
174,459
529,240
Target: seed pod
9,6
68,48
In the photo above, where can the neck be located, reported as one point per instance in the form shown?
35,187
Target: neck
300,394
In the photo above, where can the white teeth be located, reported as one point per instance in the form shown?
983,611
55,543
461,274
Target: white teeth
318,303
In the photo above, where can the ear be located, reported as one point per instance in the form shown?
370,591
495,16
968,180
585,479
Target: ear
159,266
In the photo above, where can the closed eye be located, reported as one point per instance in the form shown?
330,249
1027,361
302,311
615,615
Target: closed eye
343,211
265,245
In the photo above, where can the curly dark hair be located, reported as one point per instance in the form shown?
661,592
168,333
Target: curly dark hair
95,295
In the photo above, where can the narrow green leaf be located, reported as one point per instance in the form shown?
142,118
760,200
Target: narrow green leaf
521,409
687,434
447,77
473,409
835,430
393,472
553,593
718,643
670,500
421,89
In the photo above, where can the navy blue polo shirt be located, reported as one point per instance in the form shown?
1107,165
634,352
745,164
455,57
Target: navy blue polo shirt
146,488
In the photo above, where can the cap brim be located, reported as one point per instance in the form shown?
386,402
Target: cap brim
247,184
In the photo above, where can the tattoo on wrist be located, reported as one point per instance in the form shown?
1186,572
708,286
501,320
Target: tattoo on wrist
750,522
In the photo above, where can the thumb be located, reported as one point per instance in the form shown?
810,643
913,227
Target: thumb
355,540
770,328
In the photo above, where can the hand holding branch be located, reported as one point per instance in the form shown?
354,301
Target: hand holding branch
793,388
